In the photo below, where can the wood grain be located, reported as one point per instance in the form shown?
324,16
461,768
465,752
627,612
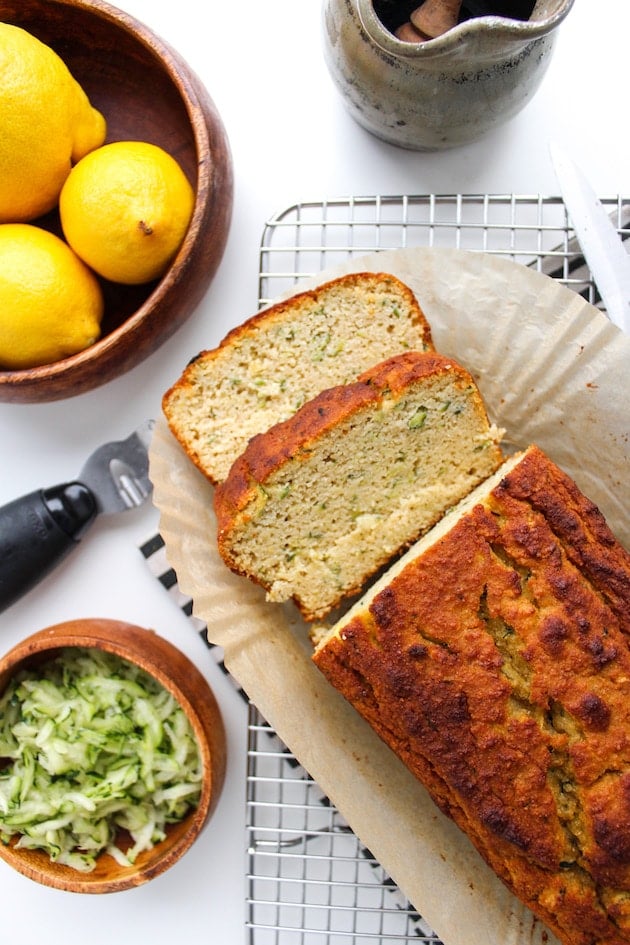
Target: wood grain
148,93
158,657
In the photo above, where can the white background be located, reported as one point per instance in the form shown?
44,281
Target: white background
292,140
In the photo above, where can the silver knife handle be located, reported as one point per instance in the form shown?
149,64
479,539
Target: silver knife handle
37,531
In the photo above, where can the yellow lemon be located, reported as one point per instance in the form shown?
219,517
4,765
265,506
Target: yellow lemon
46,122
51,304
125,209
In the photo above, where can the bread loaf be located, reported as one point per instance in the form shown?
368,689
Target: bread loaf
494,660
318,503
265,369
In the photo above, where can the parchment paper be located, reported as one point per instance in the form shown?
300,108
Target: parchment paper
552,370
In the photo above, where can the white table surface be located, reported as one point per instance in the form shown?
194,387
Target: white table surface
291,140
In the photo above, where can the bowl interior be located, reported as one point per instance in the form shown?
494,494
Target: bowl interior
146,92
180,677
130,84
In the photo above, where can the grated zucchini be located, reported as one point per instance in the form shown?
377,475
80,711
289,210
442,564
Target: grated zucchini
93,746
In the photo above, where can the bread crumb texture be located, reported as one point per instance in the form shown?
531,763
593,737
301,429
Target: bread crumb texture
264,370
318,503
496,665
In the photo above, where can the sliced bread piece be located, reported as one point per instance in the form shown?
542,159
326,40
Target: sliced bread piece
318,503
493,659
265,369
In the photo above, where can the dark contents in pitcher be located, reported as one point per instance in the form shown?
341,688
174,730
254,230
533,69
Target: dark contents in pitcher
393,13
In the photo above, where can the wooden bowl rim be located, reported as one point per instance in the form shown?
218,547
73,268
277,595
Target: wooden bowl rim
193,95
131,642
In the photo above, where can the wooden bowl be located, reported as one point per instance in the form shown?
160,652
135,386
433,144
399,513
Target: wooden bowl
184,681
146,92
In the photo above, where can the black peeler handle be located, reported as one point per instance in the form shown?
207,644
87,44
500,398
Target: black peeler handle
37,531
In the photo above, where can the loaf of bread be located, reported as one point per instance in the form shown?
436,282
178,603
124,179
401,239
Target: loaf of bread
318,503
265,369
493,658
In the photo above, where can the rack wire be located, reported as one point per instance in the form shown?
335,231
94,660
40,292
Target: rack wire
310,880
533,230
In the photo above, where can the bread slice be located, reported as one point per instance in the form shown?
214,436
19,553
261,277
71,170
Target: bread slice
265,369
493,658
318,503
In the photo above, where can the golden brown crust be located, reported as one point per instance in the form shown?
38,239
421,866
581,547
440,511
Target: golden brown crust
281,313
311,509
496,665
280,309
290,439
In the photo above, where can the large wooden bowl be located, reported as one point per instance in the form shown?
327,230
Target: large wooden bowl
183,680
146,92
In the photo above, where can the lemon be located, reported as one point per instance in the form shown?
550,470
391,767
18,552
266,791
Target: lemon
51,304
47,123
125,209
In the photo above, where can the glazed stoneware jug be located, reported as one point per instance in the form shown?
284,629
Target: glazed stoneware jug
444,92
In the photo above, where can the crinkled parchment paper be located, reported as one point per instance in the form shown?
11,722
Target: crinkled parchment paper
552,370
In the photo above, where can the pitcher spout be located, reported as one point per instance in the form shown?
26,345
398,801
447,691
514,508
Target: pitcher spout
448,90
487,34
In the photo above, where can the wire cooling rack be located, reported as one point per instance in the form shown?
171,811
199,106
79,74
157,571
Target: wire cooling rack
310,880
535,231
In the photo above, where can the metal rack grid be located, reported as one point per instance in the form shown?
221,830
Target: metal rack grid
310,881
535,231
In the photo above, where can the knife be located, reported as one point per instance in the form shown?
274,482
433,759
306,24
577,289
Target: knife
39,529
600,242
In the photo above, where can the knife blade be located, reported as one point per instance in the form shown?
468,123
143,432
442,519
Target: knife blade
39,529
600,242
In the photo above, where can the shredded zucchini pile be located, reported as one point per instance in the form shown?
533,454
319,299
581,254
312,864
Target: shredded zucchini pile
93,745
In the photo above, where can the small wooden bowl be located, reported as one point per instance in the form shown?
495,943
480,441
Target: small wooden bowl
146,92
184,681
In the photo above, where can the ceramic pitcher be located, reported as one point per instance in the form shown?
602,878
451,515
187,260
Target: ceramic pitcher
447,91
